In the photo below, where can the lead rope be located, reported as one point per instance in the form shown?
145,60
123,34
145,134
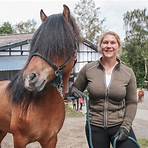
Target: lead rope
81,94
58,82
130,138
88,121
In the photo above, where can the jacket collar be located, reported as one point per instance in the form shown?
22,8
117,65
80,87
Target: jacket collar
100,65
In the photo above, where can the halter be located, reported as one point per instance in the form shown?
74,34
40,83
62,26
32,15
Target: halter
59,70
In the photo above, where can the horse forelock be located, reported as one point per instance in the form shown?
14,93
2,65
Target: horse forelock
56,37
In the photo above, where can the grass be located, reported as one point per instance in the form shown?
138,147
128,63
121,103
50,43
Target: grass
143,143
72,113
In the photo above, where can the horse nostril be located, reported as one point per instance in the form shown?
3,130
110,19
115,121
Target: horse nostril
33,76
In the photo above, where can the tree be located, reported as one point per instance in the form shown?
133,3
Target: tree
88,18
136,42
25,27
6,28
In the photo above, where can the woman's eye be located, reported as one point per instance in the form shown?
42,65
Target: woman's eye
113,42
105,42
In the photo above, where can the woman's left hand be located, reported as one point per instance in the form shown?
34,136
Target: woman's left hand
122,134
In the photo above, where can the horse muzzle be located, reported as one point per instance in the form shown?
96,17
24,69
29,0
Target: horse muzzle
32,82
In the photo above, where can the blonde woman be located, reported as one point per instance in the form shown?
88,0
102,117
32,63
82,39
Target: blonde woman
111,87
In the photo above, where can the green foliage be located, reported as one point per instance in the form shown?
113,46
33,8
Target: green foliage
143,143
135,52
6,28
89,20
72,113
25,27
22,27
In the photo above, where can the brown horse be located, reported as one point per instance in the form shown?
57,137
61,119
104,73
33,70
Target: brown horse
32,106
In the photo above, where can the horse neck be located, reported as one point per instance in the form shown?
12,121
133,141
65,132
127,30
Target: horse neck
52,96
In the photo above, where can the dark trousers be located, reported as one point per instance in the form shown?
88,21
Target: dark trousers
102,137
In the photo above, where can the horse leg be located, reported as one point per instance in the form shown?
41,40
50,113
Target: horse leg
50,144
2,135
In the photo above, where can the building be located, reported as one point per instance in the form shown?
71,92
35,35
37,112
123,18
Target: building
14,53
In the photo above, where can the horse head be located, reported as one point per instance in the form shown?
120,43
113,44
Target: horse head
52,51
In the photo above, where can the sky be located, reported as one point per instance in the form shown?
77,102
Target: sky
15,11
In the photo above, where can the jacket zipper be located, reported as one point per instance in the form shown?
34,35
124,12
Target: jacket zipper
106,101
105,108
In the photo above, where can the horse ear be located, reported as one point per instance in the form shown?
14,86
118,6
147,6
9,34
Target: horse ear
66,13
43,16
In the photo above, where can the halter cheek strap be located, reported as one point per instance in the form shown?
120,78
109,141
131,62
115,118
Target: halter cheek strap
54,66
47,60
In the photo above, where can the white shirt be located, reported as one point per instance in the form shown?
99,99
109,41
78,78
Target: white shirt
108,79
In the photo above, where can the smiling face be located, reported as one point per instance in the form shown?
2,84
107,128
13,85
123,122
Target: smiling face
110,45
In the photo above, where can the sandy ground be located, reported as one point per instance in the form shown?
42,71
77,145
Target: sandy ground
72,135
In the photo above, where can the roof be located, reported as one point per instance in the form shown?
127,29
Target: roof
8,63
10,39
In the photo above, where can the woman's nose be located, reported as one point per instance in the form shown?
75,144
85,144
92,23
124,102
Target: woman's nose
109,45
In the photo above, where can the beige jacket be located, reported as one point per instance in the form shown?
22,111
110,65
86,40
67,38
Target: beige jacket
112,105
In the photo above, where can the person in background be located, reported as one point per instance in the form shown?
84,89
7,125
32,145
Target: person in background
81,102
74,104
111,87
140,95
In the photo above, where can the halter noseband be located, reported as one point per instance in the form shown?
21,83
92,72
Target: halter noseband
54,66
58,81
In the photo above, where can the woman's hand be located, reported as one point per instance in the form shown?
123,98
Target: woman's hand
122,134
73,91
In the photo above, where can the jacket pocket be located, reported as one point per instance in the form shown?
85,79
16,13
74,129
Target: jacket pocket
121,111
116,112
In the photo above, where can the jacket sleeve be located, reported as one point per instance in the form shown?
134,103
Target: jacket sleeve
81,80
130,102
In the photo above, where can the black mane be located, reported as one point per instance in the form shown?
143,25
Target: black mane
55,38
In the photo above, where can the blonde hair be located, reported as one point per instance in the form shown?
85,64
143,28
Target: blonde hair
109,33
